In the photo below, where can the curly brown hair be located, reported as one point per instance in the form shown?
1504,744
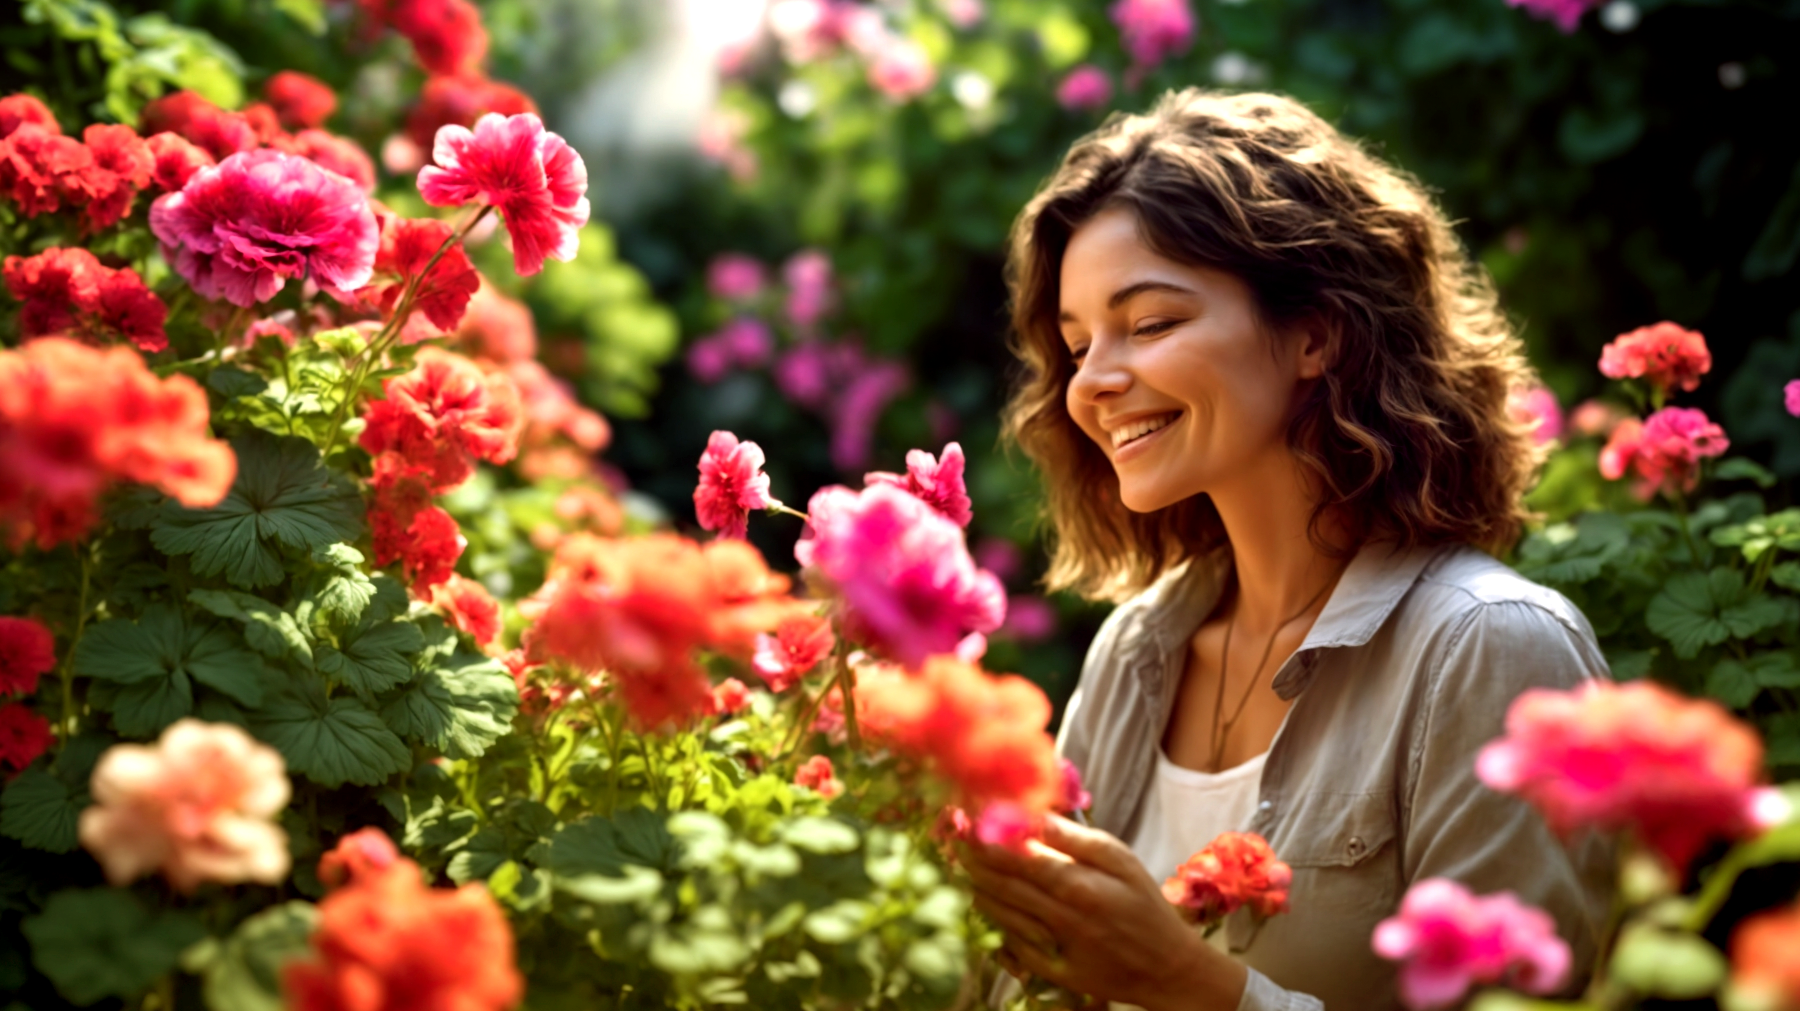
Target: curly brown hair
1408,434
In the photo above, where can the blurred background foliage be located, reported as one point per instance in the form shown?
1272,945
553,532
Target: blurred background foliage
1644,166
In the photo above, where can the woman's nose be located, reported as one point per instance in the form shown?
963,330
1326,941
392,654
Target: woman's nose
1103,372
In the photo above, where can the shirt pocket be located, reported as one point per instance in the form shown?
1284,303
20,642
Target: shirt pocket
1341,849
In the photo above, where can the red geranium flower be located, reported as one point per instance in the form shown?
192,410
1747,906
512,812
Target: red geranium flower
264,121
731,485
730,696
67,291
443,416
331,153
19,110
27,652
470,607
1765,960
1237,869
532,176
24,735
302,102
460,101
221,133
38,168
175,159
407,245
1665,355
817,775
797,646
120,167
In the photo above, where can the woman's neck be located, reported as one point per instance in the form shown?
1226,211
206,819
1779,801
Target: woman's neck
1268,517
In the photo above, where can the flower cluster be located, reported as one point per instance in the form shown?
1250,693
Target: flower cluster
1678,772
300,101
447,36
799,644
531,176
1449,939
198,805
938,482
420,255
1665,356
460,100
817,775
69,292
732,485
984,734
808,30
27,652
639,608
1663,451
470,608
43,171
1153,30
75,419
386,940
1236,870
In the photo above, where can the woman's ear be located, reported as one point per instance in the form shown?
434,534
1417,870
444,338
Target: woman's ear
1316,340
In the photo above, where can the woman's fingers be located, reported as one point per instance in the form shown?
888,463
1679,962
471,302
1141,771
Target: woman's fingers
1015,921
1039,962
1020,893
1090,846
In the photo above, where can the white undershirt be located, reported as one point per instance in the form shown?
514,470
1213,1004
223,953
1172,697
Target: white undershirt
1185,809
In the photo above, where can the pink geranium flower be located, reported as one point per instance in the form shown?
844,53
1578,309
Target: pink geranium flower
1679,772
531,176
732,484
1085,87
903,568
808,277
198,805
1791,397
1075,796
938,482
1664,450
1536,406
817,775
855,412
797,646
240,229
1154,30
1004,823
1566,13
735,277
1450,939
1665,356
901,69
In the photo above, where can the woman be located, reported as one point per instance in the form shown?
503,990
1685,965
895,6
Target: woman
1268,391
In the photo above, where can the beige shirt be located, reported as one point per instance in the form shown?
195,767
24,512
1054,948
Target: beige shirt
1370,784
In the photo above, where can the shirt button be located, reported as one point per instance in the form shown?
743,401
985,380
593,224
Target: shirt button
1265,806
1356,846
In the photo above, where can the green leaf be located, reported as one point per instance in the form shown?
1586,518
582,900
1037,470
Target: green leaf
1573,553
1663,963
634,837
103,942
479,856
373,658
1698,609
340,589
152,660
244,973
331,741
268,629
1757,613
284,496
1786,575
41,811
1733,684
310,14
1745,469
1777,531
1781,738
231,382
461,708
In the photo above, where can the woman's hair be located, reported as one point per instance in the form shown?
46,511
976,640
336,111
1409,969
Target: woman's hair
1408,433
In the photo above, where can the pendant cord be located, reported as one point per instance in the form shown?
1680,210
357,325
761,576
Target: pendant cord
1222,733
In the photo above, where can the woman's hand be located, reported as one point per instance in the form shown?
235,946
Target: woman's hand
1080,911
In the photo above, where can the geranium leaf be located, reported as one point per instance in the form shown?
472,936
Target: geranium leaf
244,972
373,658
479,856
103,942
634,837
41,805
283,497
1786,575
331,741
268,629
1686,612
461,706
1733,684
1759,612
152,660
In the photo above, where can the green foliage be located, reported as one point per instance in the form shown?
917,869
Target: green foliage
147,669
142,57
243,972
42,805
104,942
331,741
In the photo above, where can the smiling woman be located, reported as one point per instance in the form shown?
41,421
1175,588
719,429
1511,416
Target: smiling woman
1268,393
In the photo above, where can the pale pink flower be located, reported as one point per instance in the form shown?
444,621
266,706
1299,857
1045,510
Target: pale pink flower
1029,618
964,13
1665,355
808,277
1085,87
938,482
902,568
1154,30
817,775
902,70
971,648
735,277
1450,939
855,412
198,805
1791,395
1536,406
1004,823
532,176
240,229
1664,451
732,484
1679,772
1566,13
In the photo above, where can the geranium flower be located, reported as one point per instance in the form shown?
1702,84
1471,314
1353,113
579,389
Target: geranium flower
265,121
1791,397
67,291
1074,796
175,159
732,484
447,35
27,652
1765,961
385,942
1536,406
902,70
39,166
1153,30
903,569
460,101
443,416
220,133
120,167
198,805
496,327
808,277
404,527
1006,824
531,176
984,734
331,153
551,410
21,110
1450,939
301,101
1235,870
939,483
442,296
1086,87
817,775
1679,772
735,277
798,645
239,230
1664,450
74,419
730,696
24,735
1566,13
1665,355
365,856
470,608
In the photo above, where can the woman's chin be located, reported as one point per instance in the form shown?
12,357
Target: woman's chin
1147,499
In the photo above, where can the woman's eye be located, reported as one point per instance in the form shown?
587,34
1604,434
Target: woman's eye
1144,329
1077,354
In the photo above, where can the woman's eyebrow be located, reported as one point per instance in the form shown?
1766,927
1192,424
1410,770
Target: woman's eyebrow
1130,292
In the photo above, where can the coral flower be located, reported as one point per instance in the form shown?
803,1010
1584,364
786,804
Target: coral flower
730,696
1765,961
732,484
1235,870
174,160
198,805
1153,30
532,176
22,110
1679,772
443,416
1450,939
27,652
386,942
39,167
496,327
68,291
470,607
1664,451
903,568
460,101
24,735
797,646
1086,87
239,230
302,102
551,410
938,482
120,167
220,133
1665,356
817,775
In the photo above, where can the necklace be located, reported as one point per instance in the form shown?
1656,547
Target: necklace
1222,733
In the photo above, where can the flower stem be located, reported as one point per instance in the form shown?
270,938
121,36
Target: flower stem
67,722
1681,520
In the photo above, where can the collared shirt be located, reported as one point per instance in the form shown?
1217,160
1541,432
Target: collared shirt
1370,784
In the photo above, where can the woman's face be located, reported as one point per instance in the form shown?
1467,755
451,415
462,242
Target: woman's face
1175,379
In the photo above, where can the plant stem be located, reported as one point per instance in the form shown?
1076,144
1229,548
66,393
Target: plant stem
847,686
1681,520
67,723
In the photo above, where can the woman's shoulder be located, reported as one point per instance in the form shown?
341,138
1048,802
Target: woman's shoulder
1467,601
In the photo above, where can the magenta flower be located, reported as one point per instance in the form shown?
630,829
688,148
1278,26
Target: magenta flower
1792,395
856,411
735,277
731,485
1566,13
1536,406
938,482
531,176
808,277
1029,618
1004,823
1075,796
803,374
903,569
240,229
749,342
1450,939
1086,87
1154,30
709,359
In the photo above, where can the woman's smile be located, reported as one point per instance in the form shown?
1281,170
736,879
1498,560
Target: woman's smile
1132,438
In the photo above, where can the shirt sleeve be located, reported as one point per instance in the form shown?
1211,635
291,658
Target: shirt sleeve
1261,994
1453,826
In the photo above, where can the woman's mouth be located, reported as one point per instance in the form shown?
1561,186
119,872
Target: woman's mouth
1138,431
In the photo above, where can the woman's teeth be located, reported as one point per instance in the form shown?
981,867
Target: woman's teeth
1139,429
